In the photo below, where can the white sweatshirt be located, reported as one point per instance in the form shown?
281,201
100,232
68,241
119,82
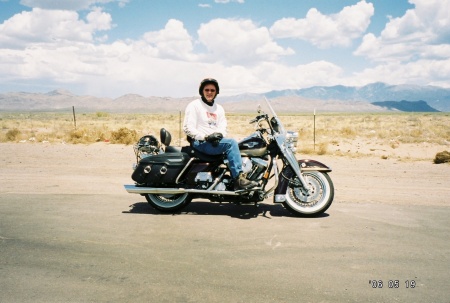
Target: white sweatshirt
201,120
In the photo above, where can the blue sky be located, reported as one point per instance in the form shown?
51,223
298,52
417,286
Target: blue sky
108,48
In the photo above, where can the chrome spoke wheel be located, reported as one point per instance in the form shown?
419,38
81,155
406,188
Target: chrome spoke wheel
168,202
317,200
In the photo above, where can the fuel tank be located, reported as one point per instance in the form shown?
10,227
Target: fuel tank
253,145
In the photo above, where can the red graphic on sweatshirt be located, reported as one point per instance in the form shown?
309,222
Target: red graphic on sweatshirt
212,119
211,116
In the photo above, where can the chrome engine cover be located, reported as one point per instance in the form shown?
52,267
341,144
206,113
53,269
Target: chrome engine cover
247,165
203,179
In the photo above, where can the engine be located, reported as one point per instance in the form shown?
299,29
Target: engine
254,167
203,180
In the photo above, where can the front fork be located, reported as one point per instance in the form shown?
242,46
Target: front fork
295,166
289,156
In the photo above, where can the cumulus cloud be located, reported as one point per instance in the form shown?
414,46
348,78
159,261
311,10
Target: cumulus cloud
273,75
413,47
51,26
423,32
52,47
239,41
99,20
434,72
173,41
325,31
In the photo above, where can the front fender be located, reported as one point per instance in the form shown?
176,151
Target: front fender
287,173
309,165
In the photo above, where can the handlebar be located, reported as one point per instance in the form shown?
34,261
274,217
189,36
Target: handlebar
258,118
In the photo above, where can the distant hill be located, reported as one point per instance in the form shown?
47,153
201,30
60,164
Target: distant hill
436,97
63,100
406,106
374,97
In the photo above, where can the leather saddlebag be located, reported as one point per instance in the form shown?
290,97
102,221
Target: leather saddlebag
160,169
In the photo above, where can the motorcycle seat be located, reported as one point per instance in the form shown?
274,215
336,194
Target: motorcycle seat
192,152
172,149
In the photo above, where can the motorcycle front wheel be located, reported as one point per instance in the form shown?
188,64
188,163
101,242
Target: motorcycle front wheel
317,201
168,203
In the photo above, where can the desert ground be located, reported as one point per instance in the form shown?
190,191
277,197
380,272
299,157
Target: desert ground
69,232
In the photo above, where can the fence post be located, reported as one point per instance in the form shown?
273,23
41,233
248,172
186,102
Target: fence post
314,129
74,118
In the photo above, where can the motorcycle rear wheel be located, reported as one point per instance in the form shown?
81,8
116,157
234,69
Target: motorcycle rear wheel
318,200
168,203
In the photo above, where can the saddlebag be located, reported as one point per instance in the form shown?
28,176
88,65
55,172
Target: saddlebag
160,169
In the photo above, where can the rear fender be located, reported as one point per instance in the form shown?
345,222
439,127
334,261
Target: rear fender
288,173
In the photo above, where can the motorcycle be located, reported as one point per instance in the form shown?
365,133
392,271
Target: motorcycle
171,177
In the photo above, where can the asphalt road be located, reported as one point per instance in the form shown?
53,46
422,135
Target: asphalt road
86,245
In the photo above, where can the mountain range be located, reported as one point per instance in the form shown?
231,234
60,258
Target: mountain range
376,97
436,97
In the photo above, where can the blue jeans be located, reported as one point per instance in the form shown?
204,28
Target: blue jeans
226,146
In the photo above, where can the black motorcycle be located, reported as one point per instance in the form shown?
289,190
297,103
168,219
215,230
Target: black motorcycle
170,177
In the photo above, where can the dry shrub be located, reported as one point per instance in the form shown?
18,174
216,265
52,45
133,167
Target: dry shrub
86,135
101,115
348,132
306,150
77,136
394,144
45,137
124,136
323,148
442,157
13,134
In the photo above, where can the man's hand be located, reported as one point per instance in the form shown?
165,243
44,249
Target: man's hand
214,138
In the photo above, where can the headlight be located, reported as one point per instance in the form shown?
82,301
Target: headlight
291,140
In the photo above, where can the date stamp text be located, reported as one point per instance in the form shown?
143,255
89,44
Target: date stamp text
393,284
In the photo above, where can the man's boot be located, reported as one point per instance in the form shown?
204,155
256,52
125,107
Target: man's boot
242,183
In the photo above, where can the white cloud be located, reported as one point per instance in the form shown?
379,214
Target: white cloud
55,48
173,41
417,34
325,31
99,20
51,26
162,61
239,42
275,76
413,48
122,3
432,71
133,66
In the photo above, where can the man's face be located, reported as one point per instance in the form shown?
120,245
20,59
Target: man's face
209,91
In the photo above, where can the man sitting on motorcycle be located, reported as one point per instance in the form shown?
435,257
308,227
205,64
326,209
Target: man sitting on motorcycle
205,124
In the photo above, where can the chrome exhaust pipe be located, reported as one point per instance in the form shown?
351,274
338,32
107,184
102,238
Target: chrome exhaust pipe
133,189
